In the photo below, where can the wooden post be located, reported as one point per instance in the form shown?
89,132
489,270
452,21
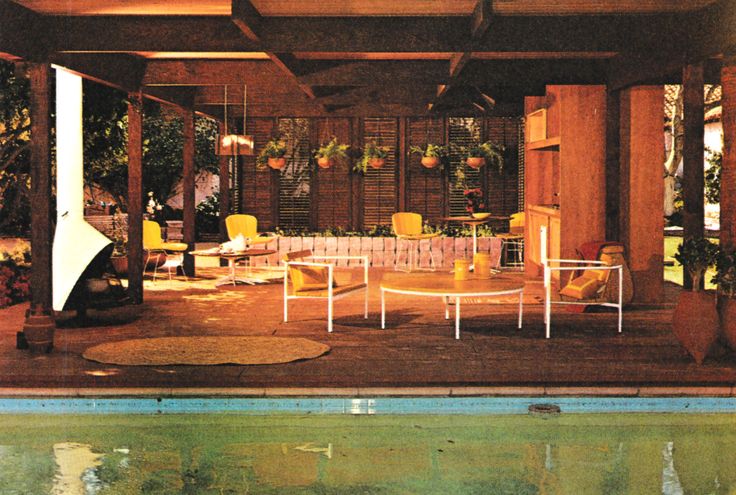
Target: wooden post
40,317
693,177
613,165
135,196
728,173
188,190
642,189
402,163
224,162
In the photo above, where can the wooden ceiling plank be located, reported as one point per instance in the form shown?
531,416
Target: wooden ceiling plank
121,71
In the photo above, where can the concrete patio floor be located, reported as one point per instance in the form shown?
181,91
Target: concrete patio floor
415,355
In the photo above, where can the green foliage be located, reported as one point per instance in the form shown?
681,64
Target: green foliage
696,254
332,150
15,271
370,151
492,152
725,275
431,150
15,180
105,145
713,175
208,215
274,148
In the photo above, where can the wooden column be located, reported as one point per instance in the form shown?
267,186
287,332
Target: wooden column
613,165
692,151
402,156
135,196
40,316
728,173
188,189
642,189
224,162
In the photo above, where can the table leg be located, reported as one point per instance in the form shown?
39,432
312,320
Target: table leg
383,309
475,238
446,300
457,318
521,306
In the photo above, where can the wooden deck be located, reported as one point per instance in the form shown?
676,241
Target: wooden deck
416,350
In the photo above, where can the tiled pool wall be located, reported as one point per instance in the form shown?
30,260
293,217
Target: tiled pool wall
358,406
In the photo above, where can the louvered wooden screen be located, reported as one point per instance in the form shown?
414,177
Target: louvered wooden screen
425,187
380,189
256,196
294,184
502,188
462,131
332,193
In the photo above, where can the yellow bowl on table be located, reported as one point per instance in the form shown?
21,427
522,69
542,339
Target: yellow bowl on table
481,215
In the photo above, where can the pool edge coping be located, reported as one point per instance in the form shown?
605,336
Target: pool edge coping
363,392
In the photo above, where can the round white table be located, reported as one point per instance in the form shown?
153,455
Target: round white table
444,285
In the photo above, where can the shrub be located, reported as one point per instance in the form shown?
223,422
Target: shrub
15,270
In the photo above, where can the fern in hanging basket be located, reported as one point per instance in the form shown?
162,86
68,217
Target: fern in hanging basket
328,153
432,154
272,155
479,154
373,156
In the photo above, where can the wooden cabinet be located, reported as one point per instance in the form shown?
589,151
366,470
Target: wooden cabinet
541,216
565,167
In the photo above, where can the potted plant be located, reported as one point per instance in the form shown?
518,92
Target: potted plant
272,155
119,235
725,277
479,154
695,320
373,155
432,154
326,154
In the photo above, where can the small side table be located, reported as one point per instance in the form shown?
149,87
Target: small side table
231,259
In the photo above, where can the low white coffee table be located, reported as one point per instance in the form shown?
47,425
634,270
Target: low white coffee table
445,286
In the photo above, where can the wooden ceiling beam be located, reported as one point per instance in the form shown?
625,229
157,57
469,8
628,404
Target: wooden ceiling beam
247,18
481,19
16,36
121,71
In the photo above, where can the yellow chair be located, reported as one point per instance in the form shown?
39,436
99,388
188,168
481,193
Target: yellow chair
313,280
408,227
247,225
512,248
584,289
154,243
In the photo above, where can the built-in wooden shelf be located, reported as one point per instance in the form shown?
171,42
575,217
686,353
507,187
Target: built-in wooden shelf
550,144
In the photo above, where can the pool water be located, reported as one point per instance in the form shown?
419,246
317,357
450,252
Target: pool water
231,453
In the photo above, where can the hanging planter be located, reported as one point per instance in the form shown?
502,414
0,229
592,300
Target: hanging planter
479,154
475,161
432,154
377,162
275,149
373,156
277,163
327,154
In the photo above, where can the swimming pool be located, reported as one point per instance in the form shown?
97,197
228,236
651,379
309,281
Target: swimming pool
382,445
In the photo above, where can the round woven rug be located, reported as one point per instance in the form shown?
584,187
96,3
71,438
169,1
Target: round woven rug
206,350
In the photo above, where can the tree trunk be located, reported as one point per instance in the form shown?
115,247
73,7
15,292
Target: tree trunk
674,158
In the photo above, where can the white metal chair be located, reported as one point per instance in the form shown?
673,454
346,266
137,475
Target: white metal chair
154,244
588,287
314,280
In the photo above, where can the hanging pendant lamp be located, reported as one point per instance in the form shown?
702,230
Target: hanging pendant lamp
235,144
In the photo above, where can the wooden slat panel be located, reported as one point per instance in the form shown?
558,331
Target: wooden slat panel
462,131
502,189
333,184
256,184
379,186
425,194
294,191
